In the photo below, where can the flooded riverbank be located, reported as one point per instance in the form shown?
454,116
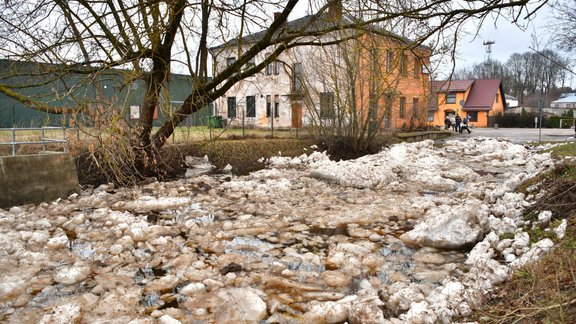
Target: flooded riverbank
414,233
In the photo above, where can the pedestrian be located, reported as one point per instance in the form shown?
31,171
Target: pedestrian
447,123
464,126
453,121
458,122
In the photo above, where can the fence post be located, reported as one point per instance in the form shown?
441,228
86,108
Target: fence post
42,140
65,140
13,132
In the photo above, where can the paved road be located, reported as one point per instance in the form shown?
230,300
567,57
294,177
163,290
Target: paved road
522,135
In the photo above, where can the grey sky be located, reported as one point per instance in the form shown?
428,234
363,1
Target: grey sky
508,39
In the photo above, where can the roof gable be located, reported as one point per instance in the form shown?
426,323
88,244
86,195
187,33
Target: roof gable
451,85
311,24
568,99
483,93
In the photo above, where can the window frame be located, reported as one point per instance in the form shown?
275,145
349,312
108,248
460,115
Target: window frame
403,65
473,116
250,64
269,67
250,106
276,106
389,61
417,67
449,96
402,108
231,109
297,82
268,106
327,104
415,106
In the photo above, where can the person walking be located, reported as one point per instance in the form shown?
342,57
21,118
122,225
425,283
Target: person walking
458,122
447,123
464,126
452,121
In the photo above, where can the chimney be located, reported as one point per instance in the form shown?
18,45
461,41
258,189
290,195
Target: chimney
335,10
276,15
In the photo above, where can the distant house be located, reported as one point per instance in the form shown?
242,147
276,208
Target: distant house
511,101
477,100
307,85
111,88
568,101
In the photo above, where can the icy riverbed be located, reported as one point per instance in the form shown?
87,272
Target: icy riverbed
411,234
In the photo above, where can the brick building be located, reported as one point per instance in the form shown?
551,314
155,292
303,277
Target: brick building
368,81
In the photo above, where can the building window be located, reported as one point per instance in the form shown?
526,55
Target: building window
276,106
389,61
326,104
277,66
373,104
472,116
415,106
402,107
388,112
403,65
231,107
268,106
230,60
451,98
430,117
270,66
297,79
250,106
251,63
417,67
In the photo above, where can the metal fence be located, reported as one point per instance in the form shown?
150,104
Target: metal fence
36,136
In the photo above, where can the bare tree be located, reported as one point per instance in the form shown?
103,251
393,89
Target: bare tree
357,85
564,24
150,37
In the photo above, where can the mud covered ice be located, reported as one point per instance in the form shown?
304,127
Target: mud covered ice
409,234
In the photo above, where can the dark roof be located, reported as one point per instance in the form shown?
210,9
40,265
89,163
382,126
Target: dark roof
483,93
451,85
311,24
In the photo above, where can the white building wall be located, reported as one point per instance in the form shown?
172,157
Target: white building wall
261,85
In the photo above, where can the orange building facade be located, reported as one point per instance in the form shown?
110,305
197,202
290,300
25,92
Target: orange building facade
478,100
393,82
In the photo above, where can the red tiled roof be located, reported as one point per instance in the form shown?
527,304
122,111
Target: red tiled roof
451,85
482,94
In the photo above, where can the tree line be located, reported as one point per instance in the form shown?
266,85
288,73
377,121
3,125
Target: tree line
529,76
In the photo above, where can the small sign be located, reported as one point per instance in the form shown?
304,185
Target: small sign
134,112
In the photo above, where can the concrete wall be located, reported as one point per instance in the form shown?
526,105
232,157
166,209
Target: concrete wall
36,178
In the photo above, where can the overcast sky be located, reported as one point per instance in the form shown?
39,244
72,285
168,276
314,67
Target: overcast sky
508,38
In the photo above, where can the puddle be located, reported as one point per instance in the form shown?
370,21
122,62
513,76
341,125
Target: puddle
329,231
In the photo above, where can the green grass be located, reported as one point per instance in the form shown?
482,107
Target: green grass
561,151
